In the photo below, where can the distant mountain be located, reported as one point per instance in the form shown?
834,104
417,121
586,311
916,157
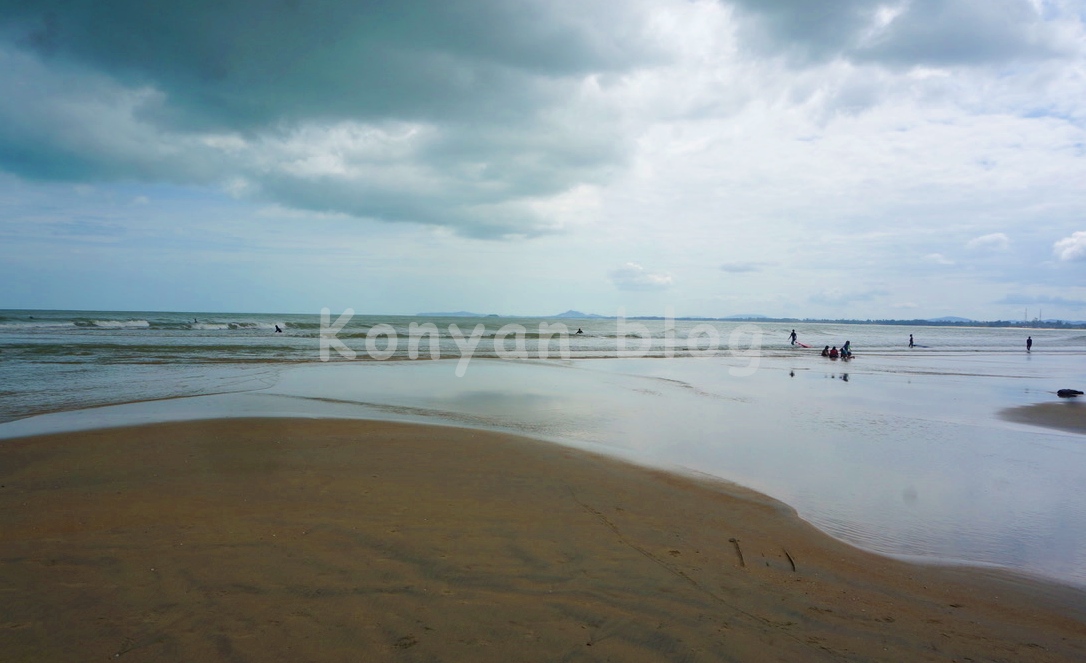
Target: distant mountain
746,316
454,314
577,314
949,318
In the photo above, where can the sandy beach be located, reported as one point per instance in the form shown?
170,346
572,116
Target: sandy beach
272,539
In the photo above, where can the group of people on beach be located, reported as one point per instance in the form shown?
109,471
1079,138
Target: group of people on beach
833,353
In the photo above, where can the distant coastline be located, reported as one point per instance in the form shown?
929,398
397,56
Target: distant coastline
941,322
6,315
948,321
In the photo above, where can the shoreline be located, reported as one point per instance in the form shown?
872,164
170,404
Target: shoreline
905,497
324,539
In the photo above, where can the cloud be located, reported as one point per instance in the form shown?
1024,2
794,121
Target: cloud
992,242
468,115
938,259
237,65
478,115
954,32
633,276
807,142
908,32
1071,249
809,29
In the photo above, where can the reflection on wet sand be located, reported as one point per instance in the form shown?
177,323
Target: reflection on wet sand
1068,415
907,459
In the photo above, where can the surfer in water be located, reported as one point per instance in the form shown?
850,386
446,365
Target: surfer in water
278,330
1029,343
911,344
793,337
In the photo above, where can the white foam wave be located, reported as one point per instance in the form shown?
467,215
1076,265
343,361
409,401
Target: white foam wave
121,324
35,325
250,324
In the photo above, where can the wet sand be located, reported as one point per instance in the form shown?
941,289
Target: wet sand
274,539
1067,415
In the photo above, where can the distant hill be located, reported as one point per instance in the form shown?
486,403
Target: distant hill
746,316
949,318
577,314
454,314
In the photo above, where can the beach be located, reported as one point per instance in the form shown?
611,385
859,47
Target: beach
309,539
178,487
479,331
936,456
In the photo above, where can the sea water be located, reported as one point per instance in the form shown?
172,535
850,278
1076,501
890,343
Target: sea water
901,451
57,360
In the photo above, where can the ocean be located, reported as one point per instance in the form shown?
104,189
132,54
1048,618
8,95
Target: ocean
58,360
902,450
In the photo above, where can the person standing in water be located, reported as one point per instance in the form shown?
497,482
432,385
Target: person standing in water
910,340
793,337
1029,343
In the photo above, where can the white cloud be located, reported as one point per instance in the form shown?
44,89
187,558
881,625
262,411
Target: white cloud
992,242
633,276
1071,248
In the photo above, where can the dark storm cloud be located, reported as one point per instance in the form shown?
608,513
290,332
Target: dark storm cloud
476,115
245,63
207,92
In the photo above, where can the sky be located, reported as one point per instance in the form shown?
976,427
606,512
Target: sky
792,158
